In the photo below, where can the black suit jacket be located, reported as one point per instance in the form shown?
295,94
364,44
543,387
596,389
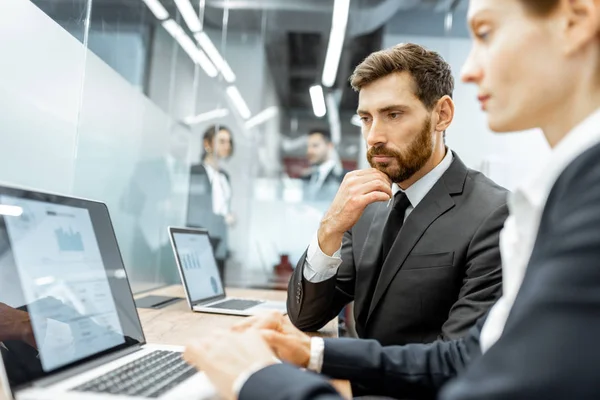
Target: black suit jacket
549,346
442,273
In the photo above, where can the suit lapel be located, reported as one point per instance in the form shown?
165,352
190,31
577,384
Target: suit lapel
437,202
370,256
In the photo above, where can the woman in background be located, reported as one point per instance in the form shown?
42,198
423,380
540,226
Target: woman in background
209,198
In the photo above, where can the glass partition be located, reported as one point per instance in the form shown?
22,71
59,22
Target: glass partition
219,114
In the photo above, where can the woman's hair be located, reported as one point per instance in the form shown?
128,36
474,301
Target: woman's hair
540,7
209,136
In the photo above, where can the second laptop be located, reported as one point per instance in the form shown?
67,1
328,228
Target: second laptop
200,277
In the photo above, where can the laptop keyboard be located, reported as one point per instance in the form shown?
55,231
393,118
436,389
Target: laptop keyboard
150,376
236,304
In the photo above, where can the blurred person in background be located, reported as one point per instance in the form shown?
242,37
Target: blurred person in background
326,171
209,199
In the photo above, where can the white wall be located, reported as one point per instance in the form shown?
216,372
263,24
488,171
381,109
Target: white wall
502,157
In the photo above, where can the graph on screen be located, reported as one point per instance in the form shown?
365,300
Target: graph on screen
69,240
190,261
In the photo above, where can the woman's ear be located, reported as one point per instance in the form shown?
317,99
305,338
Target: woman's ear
207,146
582,18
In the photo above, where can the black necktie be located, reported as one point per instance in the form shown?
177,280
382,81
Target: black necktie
394,222
390,231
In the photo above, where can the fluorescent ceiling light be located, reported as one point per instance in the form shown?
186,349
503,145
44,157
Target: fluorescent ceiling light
46,280
189,15
262,117
356,121
237,99
173,28
190,47
207,116
212,52
11,211
339,22
318,101
333,116
157,9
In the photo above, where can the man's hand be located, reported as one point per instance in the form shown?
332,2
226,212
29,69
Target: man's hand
287,342
357,191
15,325
226,355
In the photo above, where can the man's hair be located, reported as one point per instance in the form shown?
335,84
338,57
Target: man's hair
209,135
540,7
323,132
432,75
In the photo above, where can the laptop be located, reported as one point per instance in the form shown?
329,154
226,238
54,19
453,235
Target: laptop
77,333
200,277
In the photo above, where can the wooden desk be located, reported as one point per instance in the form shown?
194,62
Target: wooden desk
176,324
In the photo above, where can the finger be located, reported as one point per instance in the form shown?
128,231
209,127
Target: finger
245,324
373,197
363,172
287,327
265,320
377,185
374,175
276,340
194,353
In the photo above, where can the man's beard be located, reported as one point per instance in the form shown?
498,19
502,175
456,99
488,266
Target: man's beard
409,160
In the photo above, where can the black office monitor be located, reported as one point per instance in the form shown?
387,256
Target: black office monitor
63,283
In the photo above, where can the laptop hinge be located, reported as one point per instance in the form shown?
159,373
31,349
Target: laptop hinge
71,372
210,301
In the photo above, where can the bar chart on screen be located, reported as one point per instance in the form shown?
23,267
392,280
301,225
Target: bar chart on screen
69,240
190,261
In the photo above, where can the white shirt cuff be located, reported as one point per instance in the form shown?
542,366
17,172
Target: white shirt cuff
318,266
317,350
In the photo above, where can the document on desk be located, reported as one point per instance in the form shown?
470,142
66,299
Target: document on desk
63,281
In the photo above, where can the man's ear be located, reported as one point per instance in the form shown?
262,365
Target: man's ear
445,112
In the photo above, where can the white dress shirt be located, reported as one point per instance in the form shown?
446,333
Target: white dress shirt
221,191
319,267
525,206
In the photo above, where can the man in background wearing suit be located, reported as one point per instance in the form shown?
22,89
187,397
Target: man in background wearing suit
413,240
326,174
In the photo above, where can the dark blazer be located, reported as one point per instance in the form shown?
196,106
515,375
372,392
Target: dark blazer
414,371
549,346
329,187
442,273
200,208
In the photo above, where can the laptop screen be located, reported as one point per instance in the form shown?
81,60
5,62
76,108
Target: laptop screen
63,287
197,264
